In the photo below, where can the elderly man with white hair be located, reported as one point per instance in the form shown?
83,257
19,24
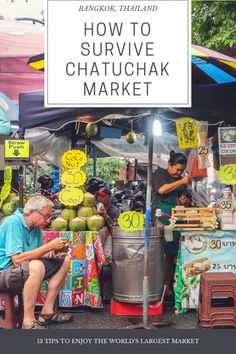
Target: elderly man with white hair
25,261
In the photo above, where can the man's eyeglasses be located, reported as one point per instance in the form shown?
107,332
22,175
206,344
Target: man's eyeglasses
45,216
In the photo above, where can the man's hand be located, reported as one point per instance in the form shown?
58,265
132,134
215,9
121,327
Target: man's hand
186,180
184,200
57,243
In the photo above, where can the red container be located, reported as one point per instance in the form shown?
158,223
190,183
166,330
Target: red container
123,308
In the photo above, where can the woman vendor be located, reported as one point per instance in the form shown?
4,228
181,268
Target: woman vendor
169,187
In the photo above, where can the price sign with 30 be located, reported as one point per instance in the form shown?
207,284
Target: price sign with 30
73,159
71,196
73,178
227,174
131,221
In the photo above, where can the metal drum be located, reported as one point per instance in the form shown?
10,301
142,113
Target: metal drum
128,261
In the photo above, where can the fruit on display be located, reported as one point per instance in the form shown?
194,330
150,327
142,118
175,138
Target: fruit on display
89,200
15,203
95,223
7,209
91,129
68,214
85,212
59,224
10,197
77,224
131,137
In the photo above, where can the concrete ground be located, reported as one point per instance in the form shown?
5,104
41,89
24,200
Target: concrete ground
88,318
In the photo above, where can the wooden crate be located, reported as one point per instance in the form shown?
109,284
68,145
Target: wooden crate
193,219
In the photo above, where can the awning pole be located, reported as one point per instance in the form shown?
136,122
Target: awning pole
147,225
94,161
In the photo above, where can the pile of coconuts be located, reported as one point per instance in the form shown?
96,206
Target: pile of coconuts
82,219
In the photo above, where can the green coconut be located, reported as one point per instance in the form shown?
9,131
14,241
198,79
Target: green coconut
95,212
91,129
59,224
10,197
85,212
15,203
77,224
95,222
7,209
131,137
68,214
89,200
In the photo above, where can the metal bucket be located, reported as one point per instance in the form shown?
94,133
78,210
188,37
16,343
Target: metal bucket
127,266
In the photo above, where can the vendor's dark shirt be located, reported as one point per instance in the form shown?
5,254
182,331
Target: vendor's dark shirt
113,212
159,178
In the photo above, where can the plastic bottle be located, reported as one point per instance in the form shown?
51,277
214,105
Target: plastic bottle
158,224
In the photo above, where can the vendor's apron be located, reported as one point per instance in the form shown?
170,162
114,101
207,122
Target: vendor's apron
170,247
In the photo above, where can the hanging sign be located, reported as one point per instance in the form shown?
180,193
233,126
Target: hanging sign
227,144
73,159
71,196
187,133
73,178
7,174
17,149
131,221
6,188
227,174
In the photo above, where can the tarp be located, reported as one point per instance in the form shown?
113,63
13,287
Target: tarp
19,41
33,113
213,103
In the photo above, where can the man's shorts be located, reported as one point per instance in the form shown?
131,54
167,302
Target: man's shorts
14,277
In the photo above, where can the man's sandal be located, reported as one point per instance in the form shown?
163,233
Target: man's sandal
34,325
55,318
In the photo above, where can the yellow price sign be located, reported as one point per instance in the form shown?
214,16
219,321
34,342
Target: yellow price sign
71,196
17,149
227,174
73,159
187,133
73,178
7,174
5,191
131,221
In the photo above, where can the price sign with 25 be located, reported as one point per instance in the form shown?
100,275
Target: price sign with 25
227,174
73,178
131,221
203,150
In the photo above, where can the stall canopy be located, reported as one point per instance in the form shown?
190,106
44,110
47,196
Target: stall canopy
33,113
213,103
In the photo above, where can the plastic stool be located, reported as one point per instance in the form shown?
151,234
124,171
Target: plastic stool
12,315
217,300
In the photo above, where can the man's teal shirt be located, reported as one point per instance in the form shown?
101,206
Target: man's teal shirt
16,237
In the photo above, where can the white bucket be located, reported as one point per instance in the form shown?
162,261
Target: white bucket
168,233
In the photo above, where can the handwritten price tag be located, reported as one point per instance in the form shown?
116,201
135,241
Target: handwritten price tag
203,150
7,174
131,221
187,133
71,196
227,174
73,178
73,159
226,204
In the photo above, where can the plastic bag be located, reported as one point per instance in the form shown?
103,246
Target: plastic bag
192,166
